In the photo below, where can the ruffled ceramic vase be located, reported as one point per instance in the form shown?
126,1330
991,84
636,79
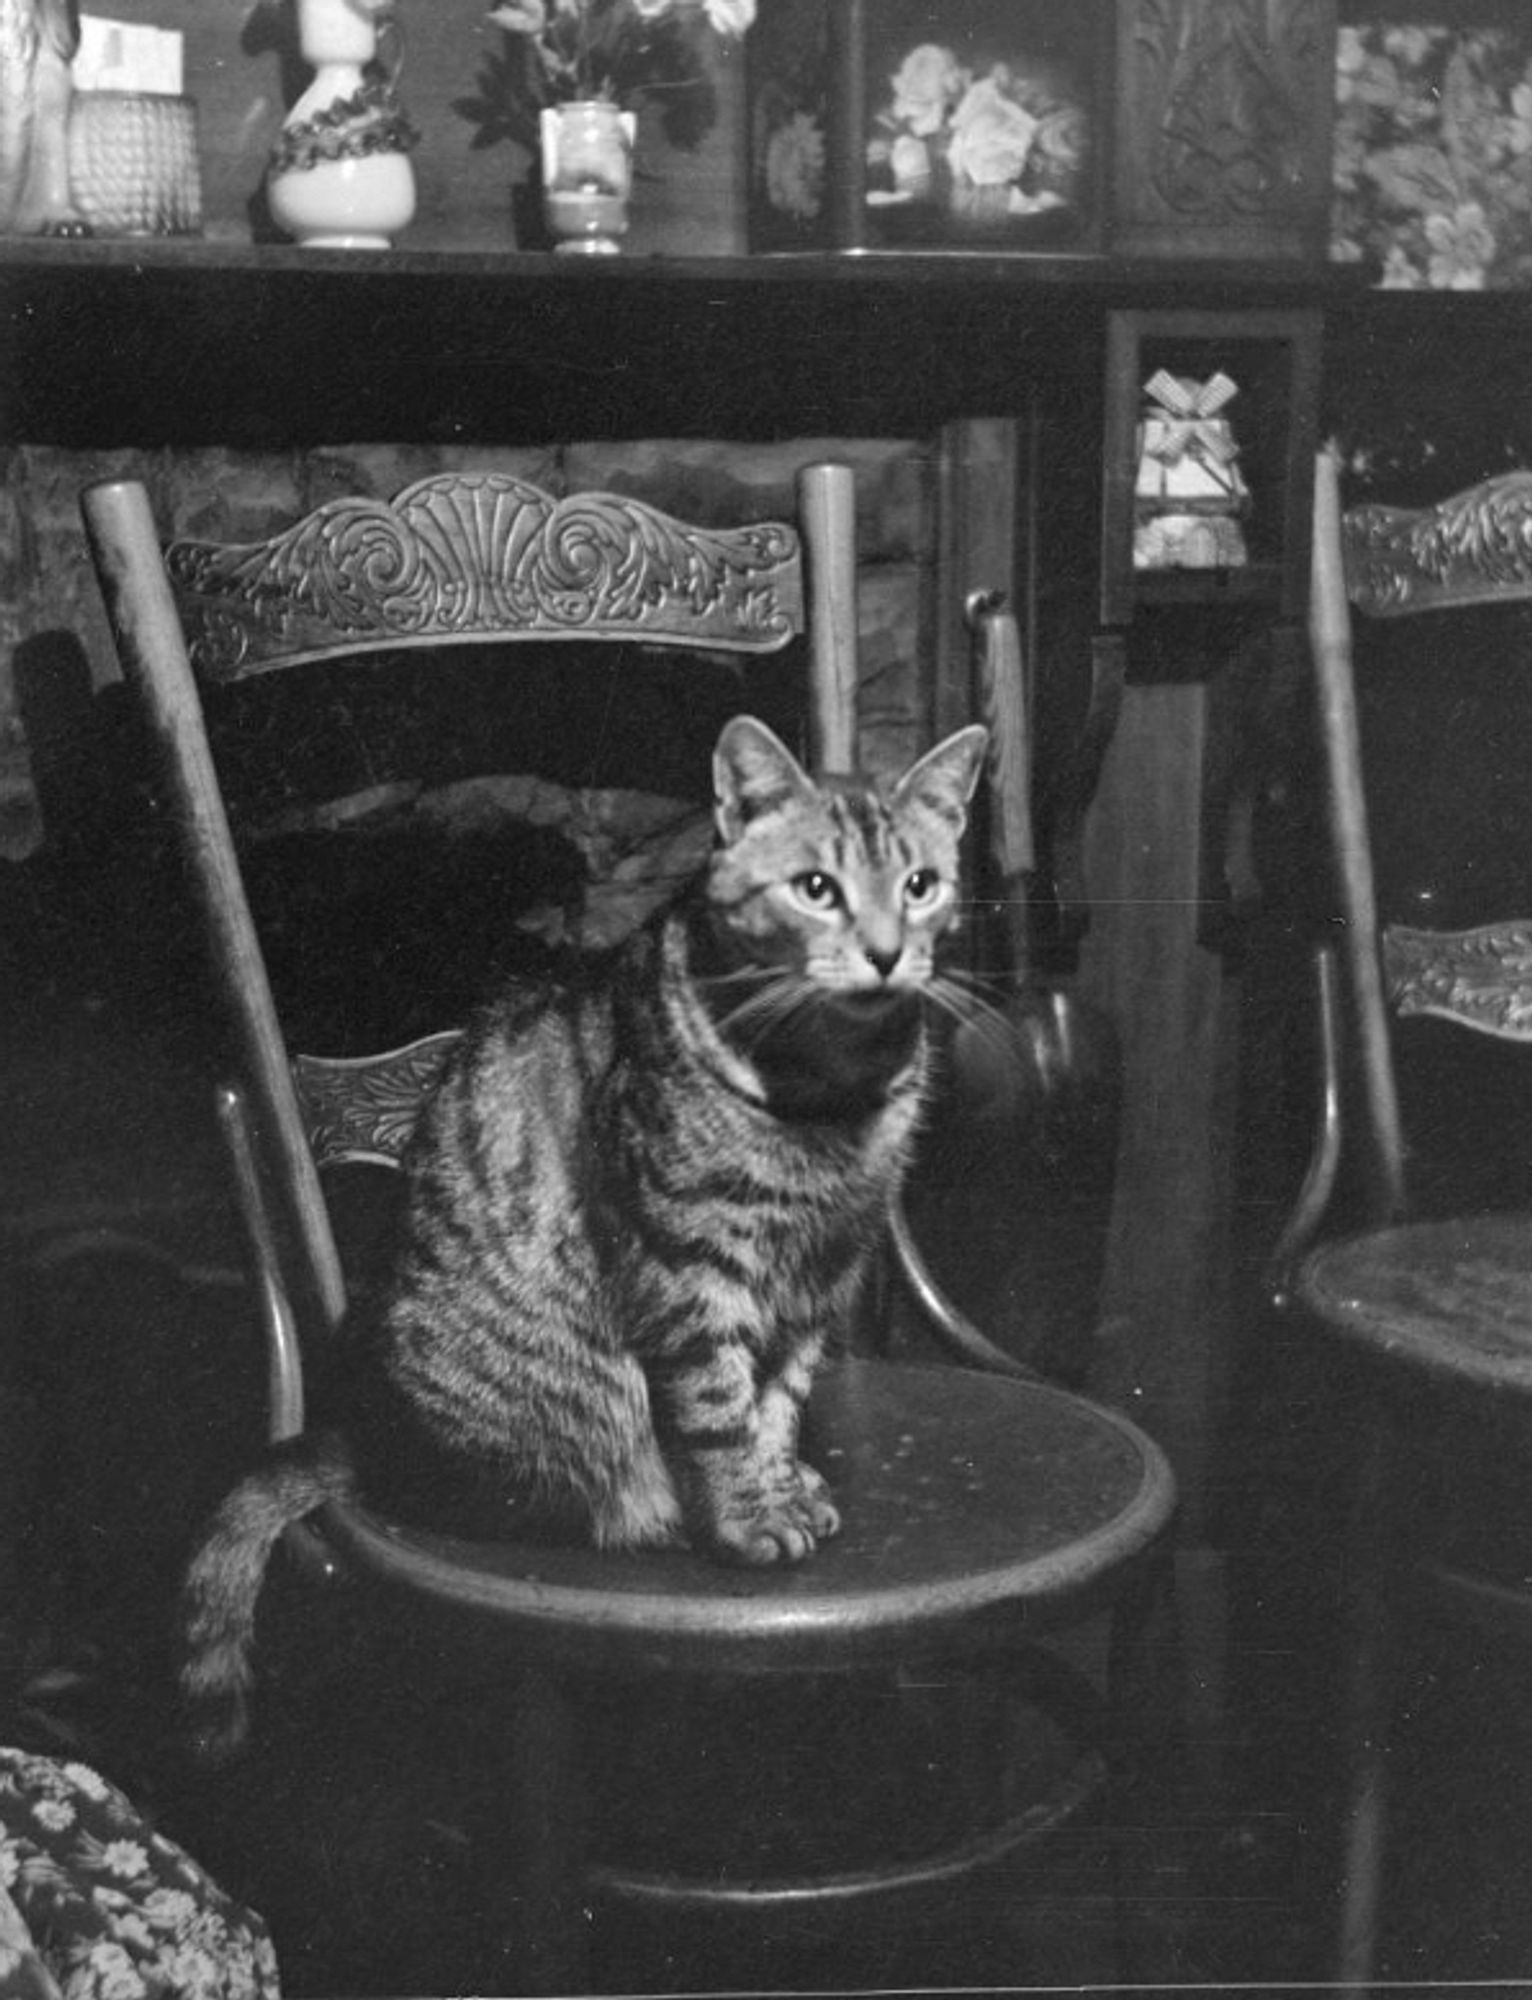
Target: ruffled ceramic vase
340,176
587,148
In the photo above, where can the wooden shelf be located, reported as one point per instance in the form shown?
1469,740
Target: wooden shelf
1091,273
112,344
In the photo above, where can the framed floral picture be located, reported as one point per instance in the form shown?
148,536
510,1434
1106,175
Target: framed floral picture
1433,145
927,124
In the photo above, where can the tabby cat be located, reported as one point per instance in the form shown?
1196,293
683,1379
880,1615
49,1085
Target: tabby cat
640,1204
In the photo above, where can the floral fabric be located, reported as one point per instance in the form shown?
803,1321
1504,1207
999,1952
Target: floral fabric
1433,154
95,1905
630,52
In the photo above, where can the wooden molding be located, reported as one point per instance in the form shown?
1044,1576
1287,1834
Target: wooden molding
1223,126
463,557
1473,548
365,1107
1479,978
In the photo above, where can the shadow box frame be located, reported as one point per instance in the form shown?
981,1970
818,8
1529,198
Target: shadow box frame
830,82
1273,357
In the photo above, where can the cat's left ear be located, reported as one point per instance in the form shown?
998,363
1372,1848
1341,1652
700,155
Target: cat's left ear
944,779
753,770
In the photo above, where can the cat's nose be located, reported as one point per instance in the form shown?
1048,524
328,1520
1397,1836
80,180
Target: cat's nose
883,962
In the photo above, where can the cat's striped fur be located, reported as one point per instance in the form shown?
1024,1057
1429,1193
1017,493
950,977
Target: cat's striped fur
641,1203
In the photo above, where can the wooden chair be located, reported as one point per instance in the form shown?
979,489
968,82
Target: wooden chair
1432,1308
984,1512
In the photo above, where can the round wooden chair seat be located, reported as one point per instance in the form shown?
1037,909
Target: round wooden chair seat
975,1509
979,1513
1437,1319
1448,1300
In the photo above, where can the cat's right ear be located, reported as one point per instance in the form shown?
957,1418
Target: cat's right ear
753,770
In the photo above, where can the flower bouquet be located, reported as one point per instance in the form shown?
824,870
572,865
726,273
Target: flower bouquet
993,146
927,124
632,52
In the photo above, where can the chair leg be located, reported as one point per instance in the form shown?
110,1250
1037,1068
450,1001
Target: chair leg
1362,1885
1146,1698
1367,1717
534,1862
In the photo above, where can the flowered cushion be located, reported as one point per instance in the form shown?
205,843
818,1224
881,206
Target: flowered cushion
95,1905
1433,144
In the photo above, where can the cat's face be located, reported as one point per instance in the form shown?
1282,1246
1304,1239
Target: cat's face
845,883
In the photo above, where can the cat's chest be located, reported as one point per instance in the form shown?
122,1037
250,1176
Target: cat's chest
789,1190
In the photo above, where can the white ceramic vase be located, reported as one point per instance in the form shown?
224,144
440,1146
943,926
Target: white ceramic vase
587,148
341,175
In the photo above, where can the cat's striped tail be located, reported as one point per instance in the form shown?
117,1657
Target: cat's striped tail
223,1584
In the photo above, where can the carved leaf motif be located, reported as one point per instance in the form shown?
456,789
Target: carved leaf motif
1479,978
479,556
1229,80
1475,546
365,1107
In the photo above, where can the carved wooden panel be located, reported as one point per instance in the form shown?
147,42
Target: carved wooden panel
1471,549
365,1107
481,556
1225,109
1479,978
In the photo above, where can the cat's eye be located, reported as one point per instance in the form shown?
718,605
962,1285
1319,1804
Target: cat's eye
816,890
921,885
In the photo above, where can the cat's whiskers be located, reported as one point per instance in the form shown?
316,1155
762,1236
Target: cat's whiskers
967,976
775,1003
975,988
741,975
772,1002
972,1011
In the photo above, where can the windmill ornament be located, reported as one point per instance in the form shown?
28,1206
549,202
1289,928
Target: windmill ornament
1189,492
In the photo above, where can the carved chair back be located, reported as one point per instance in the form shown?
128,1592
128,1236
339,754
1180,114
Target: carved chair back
455,560
1450,845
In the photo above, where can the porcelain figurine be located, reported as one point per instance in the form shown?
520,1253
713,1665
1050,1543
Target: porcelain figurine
340,176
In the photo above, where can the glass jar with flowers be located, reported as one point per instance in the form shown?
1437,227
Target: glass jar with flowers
568,82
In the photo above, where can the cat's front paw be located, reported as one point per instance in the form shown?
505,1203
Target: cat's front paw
814,1498
786,1528
776,1537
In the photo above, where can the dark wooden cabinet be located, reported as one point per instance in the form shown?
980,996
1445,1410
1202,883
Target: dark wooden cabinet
183,343
171,343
